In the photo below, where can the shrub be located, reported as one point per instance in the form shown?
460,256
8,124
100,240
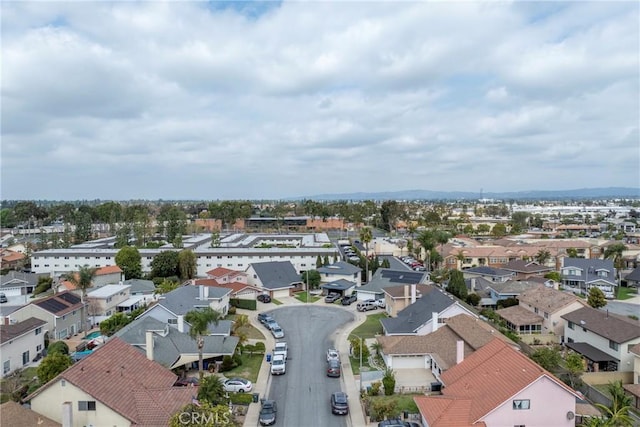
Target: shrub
247,304
241,398
58,347
227,364
237,359
232,310
374,390
389,382
260,347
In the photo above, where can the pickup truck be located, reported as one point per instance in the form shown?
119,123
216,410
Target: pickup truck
281,348
278,365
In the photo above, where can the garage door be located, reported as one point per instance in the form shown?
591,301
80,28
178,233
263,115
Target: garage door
281,293
408,362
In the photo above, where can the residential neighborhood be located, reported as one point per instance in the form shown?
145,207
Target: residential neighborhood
447,334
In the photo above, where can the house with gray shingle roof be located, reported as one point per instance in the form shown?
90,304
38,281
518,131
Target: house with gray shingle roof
172,348
499,291
386,277
275,277
603,338
141,286
16,283
116,385
64,312
21,343
525,269
173,306
633,278
340,271
489,273
584,273
423,316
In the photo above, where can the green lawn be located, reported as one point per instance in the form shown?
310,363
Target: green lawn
626,293
251,331
400,402
302,296
249,369
371,327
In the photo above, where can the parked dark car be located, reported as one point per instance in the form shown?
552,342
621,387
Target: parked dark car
3,298
264,298
397,423
339,403
188,381
268,413
332,297
349,299
333,368
265,318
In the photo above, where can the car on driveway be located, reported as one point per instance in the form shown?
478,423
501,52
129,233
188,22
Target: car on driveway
264,298
277,332
268,413
333,369
237,385
367,305
332,297
349,299
397,423
339,403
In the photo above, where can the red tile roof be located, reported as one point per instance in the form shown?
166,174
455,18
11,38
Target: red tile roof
486,378
220,271
111,269
123,379
236,287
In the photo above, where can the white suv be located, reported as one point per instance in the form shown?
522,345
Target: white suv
278,365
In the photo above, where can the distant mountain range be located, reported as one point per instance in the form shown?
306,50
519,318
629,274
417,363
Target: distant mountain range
582,193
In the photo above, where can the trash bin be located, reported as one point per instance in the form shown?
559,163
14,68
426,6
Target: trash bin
256,397
268,357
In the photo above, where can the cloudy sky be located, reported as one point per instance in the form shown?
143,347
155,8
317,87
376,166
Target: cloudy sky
244,100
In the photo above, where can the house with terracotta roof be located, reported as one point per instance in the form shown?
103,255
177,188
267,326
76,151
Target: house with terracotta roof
21,343
602,338
452,341
116,385
424,315
498,386
11,260
238,289
64,312
224,275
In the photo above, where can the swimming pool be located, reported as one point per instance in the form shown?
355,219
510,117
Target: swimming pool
94,334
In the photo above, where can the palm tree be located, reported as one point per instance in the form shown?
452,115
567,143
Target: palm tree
614,252
82,280
543,256
428,242
365,237
460,257
199,321
442,237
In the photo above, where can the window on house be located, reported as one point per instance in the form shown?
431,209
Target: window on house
535,310
172,321
38,331
613,345
25,357
6,366
546,315
521,404
39,347
570,325
86,405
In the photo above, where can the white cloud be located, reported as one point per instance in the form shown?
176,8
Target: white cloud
180,100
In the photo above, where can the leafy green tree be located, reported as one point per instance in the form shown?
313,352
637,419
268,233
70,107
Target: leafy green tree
615,252
202,415
325,262
574,365
166,286
483,229
165,264
547,357
457,285
543,256
130,262
389,382
114,323
572,253
58,347
199,321
123,234
187,264
44,284
386,263
318,261
52,365
215,239
553,275
473,299
596,297
355,349
211,390
499,230
314,278
519,221
389,212
83,224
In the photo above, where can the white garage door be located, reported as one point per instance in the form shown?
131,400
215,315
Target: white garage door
281,293
408,362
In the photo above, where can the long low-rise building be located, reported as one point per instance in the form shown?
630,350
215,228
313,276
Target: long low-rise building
234,251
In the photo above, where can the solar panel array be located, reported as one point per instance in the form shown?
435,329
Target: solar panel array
52,305
70,298
408,277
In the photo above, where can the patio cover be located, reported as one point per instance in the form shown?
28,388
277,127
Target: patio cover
590,352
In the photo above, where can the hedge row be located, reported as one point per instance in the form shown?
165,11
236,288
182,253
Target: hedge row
247,304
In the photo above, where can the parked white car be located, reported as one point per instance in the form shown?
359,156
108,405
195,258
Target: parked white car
237,385
333,354
278,365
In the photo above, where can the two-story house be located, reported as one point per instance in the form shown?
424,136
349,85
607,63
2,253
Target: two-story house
64,313
340,271
224,275
386,277
103,302
498,386
634,388
602,338
21,343
526,269
582,274
276,278
492,274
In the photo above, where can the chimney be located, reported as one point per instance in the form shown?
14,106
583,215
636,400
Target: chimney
206,292
201,290
434,321
193,282
413,293
181,323
149,344
67,414
459,351
473,284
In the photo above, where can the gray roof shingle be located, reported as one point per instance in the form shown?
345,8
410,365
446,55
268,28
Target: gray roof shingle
276,274
385,277
340,267
610,326
185,298
9,332
417,314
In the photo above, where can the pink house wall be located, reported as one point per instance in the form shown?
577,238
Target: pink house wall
549,405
